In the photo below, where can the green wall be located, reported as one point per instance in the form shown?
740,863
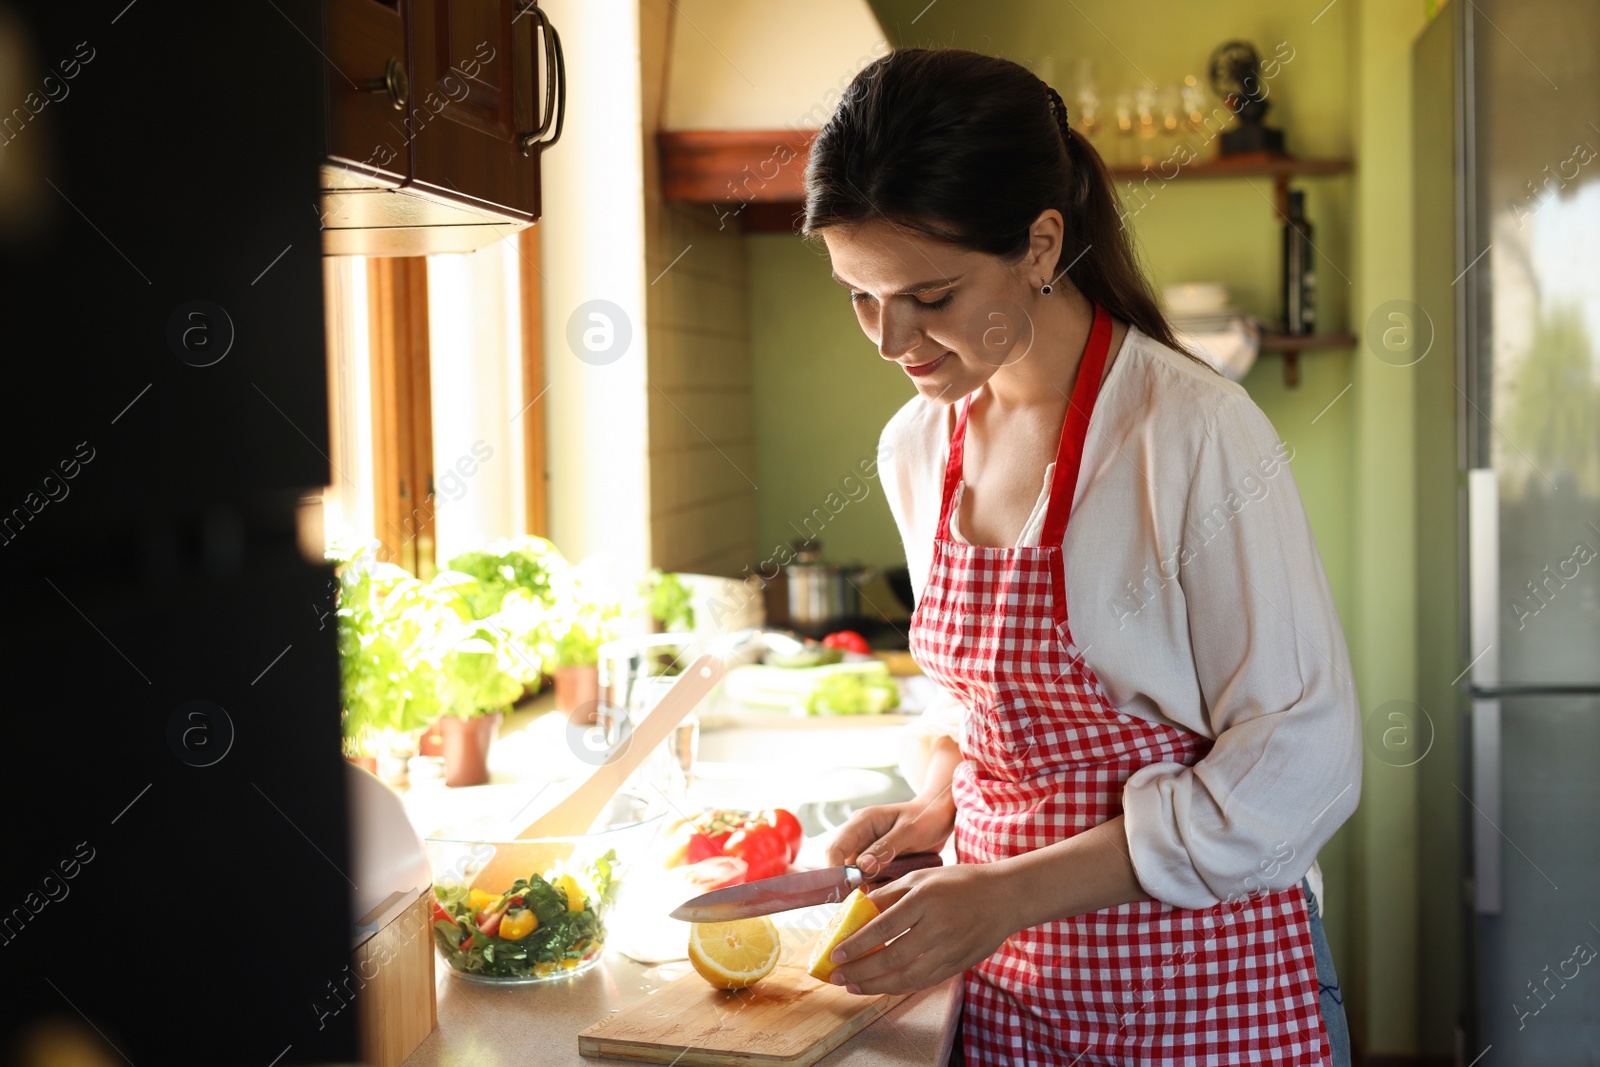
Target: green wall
1346,91
821,395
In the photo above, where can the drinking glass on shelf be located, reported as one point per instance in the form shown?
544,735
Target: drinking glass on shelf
1171,129
1144,103
1125,151
1086,102
1199,126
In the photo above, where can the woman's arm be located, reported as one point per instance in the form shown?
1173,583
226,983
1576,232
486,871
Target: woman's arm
876,835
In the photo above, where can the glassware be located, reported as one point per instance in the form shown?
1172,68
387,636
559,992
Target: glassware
1200,128
1086,100
574,879
1145,124
1125,151
635,674
1172,116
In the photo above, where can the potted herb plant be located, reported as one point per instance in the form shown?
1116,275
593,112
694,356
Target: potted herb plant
483,668
669,602
390,633
513,590
584,617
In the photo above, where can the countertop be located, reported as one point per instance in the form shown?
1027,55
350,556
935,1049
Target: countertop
482,1025
537,1026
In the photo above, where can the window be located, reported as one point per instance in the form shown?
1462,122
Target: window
435,372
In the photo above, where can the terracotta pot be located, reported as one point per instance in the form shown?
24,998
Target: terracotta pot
466,748
369,763
431,743
578,690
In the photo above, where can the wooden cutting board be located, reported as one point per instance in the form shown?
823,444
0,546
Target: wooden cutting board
788,1018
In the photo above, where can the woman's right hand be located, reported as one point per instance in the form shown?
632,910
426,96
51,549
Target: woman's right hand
873,836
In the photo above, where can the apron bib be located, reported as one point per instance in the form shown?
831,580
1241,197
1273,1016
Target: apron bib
1045,756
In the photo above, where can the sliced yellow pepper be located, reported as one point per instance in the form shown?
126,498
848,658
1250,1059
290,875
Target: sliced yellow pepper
569,885
518,924
481,899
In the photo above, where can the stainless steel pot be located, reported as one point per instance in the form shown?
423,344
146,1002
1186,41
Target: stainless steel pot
822,594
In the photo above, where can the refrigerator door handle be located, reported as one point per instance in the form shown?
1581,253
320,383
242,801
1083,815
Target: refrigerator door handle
1486,806
1483,628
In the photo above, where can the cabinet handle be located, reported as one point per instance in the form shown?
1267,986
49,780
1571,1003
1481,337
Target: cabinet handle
394,84
555,86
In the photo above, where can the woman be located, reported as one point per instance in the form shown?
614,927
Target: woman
1137,791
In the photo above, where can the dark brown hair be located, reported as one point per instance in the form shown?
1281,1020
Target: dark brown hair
965,148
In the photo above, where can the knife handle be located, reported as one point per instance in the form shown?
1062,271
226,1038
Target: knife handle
901,866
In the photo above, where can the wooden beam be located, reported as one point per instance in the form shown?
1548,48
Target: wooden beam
533,383
734,166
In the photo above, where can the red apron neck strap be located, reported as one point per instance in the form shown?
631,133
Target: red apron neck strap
1069,454
952,468
1075,429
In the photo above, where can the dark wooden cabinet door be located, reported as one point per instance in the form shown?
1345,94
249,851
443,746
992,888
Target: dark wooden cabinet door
479,87
369,97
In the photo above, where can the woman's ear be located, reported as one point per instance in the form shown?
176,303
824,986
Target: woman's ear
1044,244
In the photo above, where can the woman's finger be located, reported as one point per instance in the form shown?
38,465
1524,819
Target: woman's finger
861,830
892,921
889,960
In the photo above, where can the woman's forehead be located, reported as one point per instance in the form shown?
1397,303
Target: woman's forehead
877,253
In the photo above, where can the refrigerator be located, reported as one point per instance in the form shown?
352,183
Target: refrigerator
1506,128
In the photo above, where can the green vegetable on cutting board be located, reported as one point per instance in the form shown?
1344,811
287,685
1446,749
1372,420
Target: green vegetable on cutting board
863,687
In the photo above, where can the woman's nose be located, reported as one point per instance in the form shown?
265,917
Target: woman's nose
896,336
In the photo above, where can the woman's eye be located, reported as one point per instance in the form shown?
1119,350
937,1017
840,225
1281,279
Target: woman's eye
933,305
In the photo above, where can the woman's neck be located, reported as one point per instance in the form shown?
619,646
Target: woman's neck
1044,376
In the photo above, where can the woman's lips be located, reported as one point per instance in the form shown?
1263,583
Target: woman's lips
917,370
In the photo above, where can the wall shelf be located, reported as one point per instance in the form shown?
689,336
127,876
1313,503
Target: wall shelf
1292,345
1251,166
754,178
1279,168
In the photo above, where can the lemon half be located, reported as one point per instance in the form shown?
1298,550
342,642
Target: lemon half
735,955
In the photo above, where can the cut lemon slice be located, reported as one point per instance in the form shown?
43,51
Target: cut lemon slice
734,955
856,911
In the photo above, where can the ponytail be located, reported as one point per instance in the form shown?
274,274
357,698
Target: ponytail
1107,269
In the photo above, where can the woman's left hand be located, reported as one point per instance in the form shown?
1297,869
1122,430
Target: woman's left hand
948,919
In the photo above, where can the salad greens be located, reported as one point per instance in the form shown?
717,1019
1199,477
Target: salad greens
562,937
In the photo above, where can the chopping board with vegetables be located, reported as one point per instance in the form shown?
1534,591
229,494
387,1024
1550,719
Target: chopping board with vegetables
788,1018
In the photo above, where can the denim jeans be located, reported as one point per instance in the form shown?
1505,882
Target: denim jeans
1329,997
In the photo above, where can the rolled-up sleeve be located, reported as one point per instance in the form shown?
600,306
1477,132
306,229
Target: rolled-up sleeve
1274,675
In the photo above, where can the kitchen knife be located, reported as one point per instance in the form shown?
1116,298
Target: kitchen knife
829,885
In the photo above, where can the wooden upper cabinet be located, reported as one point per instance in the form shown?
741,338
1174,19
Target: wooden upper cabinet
480,67
367,93
438,113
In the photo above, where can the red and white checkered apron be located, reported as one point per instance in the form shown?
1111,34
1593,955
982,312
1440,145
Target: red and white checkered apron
1045,757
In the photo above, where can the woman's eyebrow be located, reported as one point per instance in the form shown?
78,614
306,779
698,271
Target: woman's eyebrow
913,290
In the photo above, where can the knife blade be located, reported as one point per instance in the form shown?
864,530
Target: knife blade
828,885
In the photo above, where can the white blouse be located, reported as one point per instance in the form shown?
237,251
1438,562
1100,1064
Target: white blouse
1196,593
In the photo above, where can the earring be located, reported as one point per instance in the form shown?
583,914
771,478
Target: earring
1045,289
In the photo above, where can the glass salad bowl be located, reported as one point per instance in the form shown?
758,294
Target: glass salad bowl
549,923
